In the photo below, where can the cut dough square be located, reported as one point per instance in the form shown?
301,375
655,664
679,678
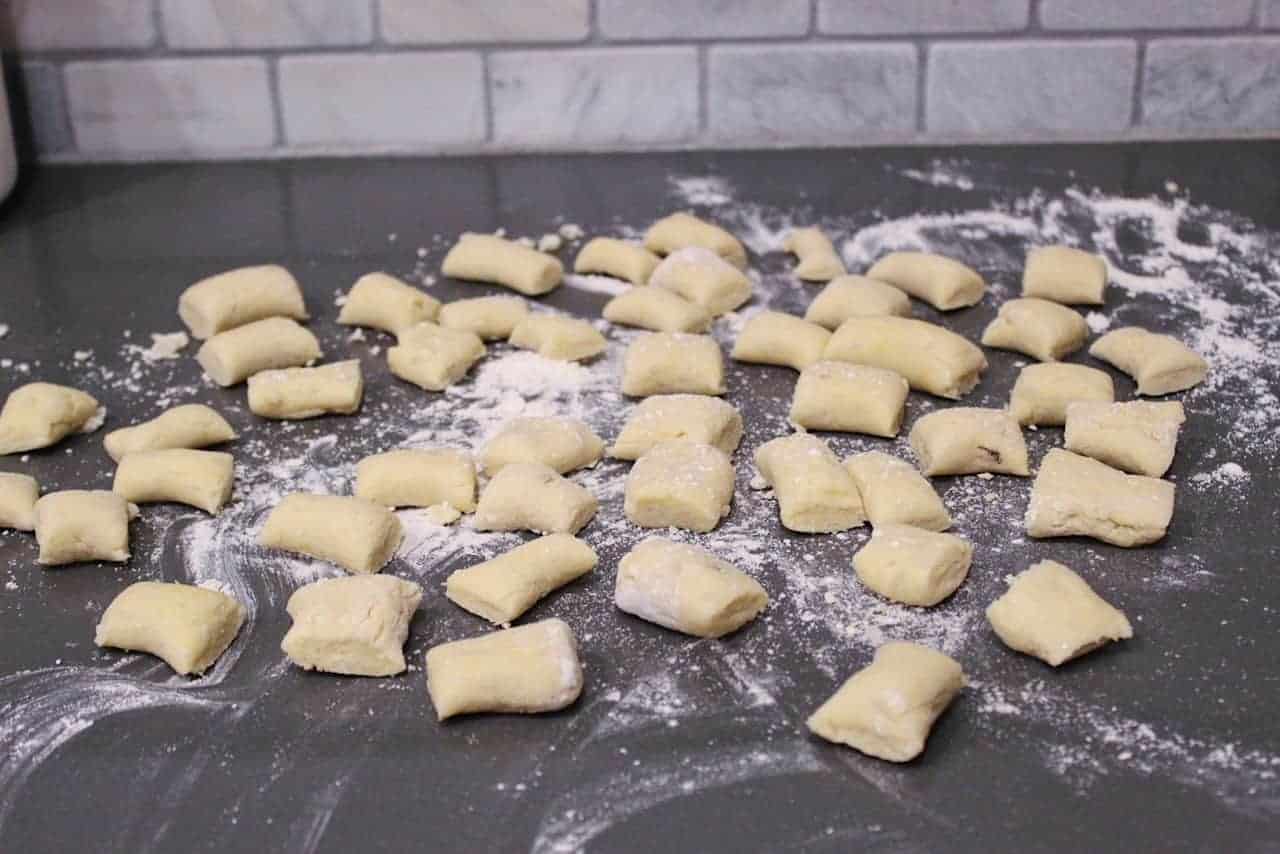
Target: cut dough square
931,358
37,415
413,477
568,339
1137,437
192,425
18,496
944,283
616,258
188,627
1064,274
913,566
534,497
78,525
680,484
200,479
856,296
673,363
564,444
1039,328
819,261
658,309
491,318
502,589
893,492
969,440
231,357
238,297
387,303
1160,364
1042,392
488,258
775,338
434,357
815,493
1076,496
682,230
704,279
355,625
662,418
357,535
849,398
299,393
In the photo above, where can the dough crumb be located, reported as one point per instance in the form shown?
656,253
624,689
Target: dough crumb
165,345
525,241
99,418
358,335
82,355
339,299
571,231
4,329
442,514
550,243
758,483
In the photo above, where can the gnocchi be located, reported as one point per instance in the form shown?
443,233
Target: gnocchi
775,338
299,393
78,525
355,625
673,363
1041,329
944,283
501,589
1160,364
969,440
894,493
357,535
913,566
231,357
37,415
534,497
238,297
492,259
200,479
191,425
849,398
1077,496
434,357
413,477
1042,393
815,493
818,260
703,278
658,309
18,496
680,484
616,258
1137,437
568,339
929,357
564,444
491,318
1064,274
682,230
662,418
856,296
387,303
188,627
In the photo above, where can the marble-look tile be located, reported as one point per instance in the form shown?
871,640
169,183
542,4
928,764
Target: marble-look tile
471,21
1143,14
1197,84
40,97
705,19
220,24
33,25
1270,14
882,17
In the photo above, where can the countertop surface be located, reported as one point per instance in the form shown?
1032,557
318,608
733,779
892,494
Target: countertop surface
1166,742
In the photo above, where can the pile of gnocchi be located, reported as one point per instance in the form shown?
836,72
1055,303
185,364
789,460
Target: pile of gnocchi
858,353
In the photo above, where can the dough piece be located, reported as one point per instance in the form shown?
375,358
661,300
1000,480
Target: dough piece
231,357
1137,437
355,625
929,357
815,493
969,440
298,393
502,589
913,566
192,425
894,493
486,258
18,496
658,309
818,259
1043,330
850,399
680,484
564,444
187,626
385,302
434,357
665,417
686,589
616,258
856,296
1042,392
1064,274
411,477
491,318
1052,613
944,283
240,296
682,230
525,670
38,415
200,479
775,338
534,497
79,525
1076,496
1160,364
703,278
357,535
568,339
673,363
887,709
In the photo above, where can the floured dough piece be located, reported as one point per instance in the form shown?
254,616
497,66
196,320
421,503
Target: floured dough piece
240,296
38,415
1042,329
686,589
564,444
434,357
502,589
849,398
665,417
78,525
887,709
913,566
1042,393
299,393
819,261
491,318
188,627
893,492
387,303
1137,437
658,309
568,339
681,230
969,440
680,484
355,625
944,283
192,425
487,258
672,363
617,258
856,296
776,338
1052,613
357,535
534,497
1066,275
1076,496
931,358
413,477
815,493
1160,364
704,279
231,357
200,479
18,496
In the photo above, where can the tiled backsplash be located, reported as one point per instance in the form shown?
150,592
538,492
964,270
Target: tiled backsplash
110,79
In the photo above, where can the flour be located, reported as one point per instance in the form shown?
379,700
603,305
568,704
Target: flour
940,174
596,284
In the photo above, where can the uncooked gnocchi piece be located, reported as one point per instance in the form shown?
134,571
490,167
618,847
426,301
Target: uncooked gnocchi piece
1042,329
240,296
893,492
298,393
1076,496
38,415
491,318
568,339
616,258
18,496
849,398
931,358
1052,613
412,477
200,479
434,357
188,627
944,283
673,363
856,296
887,709
815,493
192,425
818,260
665,417
502,589
969,440
385,302
231,357
487,258
704,279
1042,393
357,535
526,670
564,444
534,497
681,230
686,589
658,309
1066,275
1160,364
913,566
78,525
776,338
1137,437
680,484
355,625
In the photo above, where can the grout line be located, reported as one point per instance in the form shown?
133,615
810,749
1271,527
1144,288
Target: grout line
375,24
922,86
157,21
704,85
486,94
277,101
813,19
1139,81
60,78
594,36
